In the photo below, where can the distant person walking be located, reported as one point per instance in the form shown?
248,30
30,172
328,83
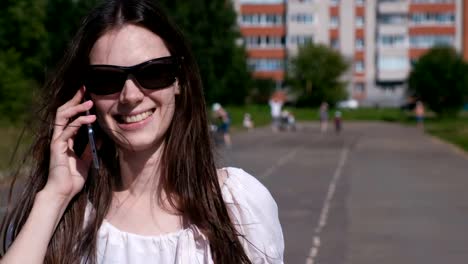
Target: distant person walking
223,123
324,117
338,122
248,122
419,113
276,103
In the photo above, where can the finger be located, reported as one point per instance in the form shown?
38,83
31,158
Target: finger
71,143
61,123
72,129
77,98
64,116
79,166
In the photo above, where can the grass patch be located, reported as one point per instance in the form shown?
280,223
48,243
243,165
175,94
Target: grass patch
261,114
452,130
9,135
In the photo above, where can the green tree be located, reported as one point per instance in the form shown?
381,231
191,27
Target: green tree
22,45
440,79
210,27
15,87
315,75
62,22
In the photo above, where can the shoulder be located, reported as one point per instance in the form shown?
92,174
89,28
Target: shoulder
243,186
254,212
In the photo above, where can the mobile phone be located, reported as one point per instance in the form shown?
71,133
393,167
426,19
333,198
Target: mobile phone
92,144
86,135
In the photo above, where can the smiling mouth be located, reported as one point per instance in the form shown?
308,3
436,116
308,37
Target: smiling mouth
129,119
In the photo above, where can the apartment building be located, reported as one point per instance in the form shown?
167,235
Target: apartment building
380,38
262,25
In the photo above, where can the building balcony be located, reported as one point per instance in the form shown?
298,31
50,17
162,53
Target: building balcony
393,7
264,8
266,53
392,75
262,31
395,29
431,7
277,75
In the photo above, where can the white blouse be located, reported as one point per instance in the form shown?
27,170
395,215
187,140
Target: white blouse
251,207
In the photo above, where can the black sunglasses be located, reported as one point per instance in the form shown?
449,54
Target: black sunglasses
153,74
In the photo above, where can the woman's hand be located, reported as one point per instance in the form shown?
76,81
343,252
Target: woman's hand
67,171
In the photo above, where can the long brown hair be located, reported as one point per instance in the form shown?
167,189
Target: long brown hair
188,174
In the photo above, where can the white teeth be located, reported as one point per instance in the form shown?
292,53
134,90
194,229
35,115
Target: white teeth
137,118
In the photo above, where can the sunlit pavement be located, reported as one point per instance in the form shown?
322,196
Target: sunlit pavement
376,193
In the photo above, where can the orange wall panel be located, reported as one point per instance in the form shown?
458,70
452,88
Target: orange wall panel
334,11
359,33
334,34
275,75
360,11
359,76
263,9
359,55
432,8
450,30
263,31
359,95
267,53
416,53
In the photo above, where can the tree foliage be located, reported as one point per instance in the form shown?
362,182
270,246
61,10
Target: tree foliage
210,27
315,75
22,35
440,79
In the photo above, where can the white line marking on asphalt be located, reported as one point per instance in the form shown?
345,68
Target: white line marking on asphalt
314,250
280,162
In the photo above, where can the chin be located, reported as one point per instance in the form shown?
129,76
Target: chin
137,144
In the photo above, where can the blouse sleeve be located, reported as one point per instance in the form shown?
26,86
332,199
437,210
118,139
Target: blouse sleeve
255,214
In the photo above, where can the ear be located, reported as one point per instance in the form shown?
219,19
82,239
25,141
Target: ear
177,86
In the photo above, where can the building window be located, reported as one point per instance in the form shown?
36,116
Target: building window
359,2
335,43
359,88
391,40
392,19
262,20
264,41
359,44
302,18
300,39
427,41
393,63
334,21
359,66
334,2
432,18
265,64
359,21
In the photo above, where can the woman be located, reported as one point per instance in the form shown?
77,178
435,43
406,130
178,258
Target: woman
157,196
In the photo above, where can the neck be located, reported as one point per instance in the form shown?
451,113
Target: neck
140,170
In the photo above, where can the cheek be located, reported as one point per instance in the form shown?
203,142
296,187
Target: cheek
102,110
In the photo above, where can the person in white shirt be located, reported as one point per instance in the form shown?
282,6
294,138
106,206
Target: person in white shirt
275,109
154,194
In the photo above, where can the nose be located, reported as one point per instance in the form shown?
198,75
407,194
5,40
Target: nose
131,93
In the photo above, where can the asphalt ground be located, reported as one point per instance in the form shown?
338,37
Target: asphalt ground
375,193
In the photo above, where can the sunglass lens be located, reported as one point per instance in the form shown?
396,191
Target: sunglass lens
104,82
157,76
